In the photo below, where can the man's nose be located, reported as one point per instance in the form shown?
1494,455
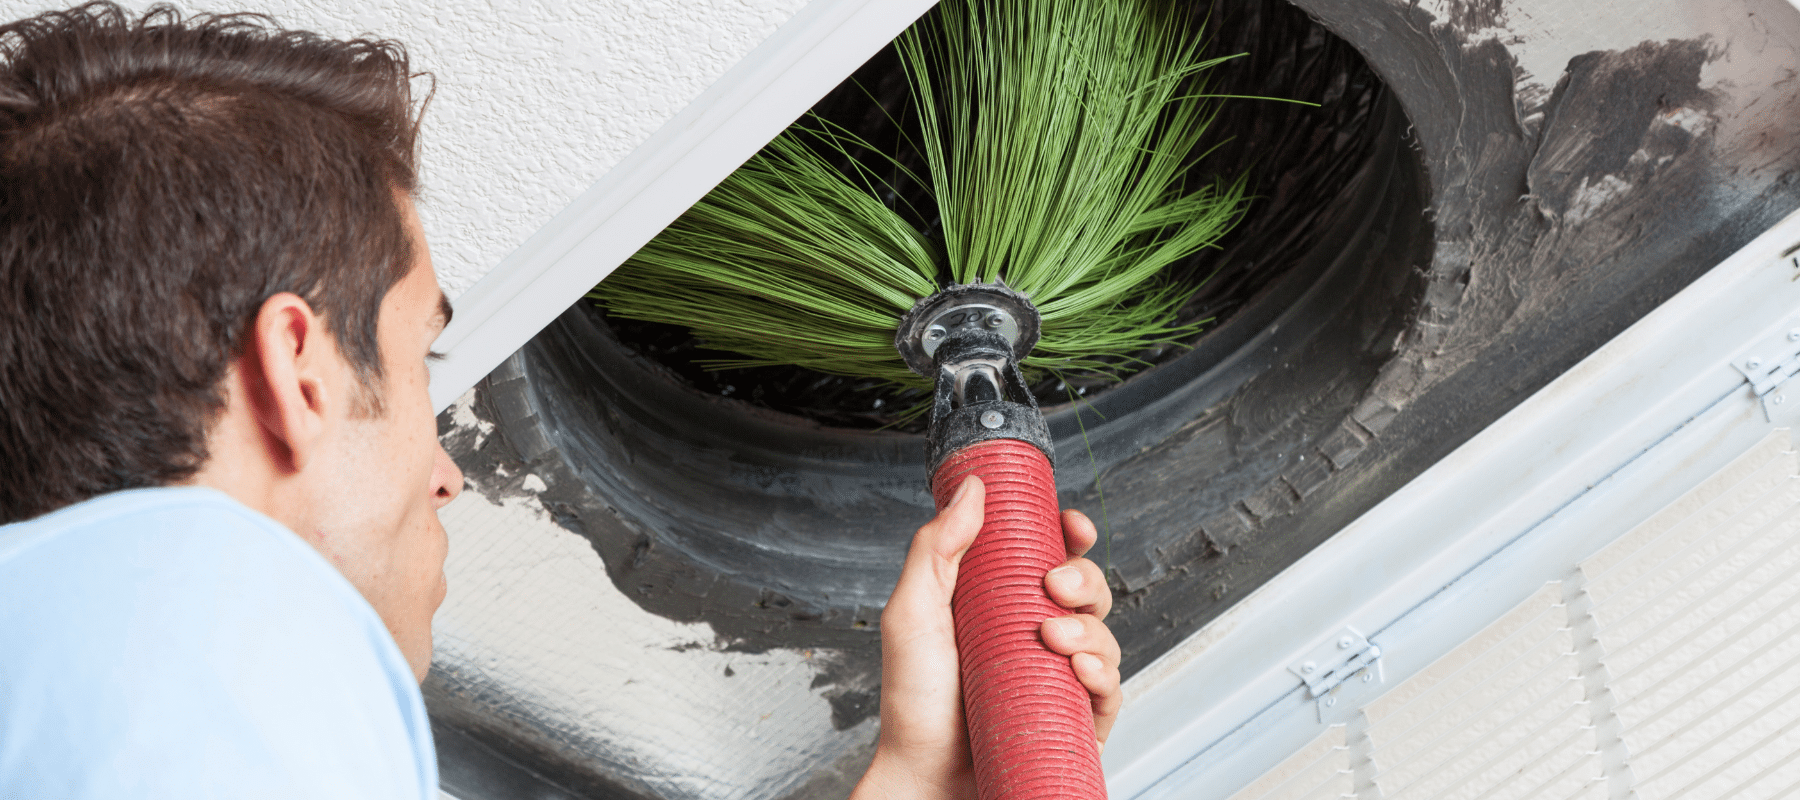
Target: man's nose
446,479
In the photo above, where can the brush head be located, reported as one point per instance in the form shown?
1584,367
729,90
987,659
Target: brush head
1057,147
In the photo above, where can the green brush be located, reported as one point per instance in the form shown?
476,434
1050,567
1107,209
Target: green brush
1060,139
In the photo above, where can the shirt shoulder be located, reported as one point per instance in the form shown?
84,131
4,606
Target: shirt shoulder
175,643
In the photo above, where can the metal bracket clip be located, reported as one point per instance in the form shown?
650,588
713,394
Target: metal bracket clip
1768,364
1339,671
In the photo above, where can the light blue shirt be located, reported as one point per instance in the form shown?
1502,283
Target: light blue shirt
173,643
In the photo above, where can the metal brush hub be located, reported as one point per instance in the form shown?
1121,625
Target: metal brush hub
969,339
964,309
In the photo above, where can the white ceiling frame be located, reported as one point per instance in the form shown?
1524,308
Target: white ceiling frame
746,108
1633,426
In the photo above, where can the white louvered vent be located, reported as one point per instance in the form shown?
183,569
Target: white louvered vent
1697,612
1501,717
1320,771
1664,667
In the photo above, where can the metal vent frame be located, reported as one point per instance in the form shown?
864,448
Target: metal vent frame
1584,460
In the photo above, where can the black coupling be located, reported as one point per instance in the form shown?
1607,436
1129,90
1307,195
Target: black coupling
980,395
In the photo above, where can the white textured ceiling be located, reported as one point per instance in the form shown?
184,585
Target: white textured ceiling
536,99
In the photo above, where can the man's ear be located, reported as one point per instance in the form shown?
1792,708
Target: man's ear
289,377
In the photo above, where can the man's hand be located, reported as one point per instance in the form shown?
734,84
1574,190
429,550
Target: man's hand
924,748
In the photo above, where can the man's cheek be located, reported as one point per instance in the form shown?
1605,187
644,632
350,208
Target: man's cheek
443,591
437,552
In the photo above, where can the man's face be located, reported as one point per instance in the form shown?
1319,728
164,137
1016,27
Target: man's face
388,473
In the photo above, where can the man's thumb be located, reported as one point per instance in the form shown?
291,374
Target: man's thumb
960,520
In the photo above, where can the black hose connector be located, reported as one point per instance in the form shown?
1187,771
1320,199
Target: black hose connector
980,395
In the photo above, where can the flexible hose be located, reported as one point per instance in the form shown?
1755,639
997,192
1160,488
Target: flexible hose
1031,724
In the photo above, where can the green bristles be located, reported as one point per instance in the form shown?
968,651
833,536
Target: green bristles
1059,137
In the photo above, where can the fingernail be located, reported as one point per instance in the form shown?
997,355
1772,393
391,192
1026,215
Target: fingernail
1068,626
1069,578
962,490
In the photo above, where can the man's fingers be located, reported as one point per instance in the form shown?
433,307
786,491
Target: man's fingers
1081,633
1102,682
1094,653
1080,587
1078,532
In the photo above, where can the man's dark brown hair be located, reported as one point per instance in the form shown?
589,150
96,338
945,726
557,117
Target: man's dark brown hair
160,178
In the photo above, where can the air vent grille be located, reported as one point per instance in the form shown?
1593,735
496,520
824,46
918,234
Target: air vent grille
1664,667
1503,716
1698,612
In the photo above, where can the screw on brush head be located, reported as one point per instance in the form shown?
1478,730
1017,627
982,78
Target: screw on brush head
963,308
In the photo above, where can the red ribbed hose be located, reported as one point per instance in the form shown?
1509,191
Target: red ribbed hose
1031,724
